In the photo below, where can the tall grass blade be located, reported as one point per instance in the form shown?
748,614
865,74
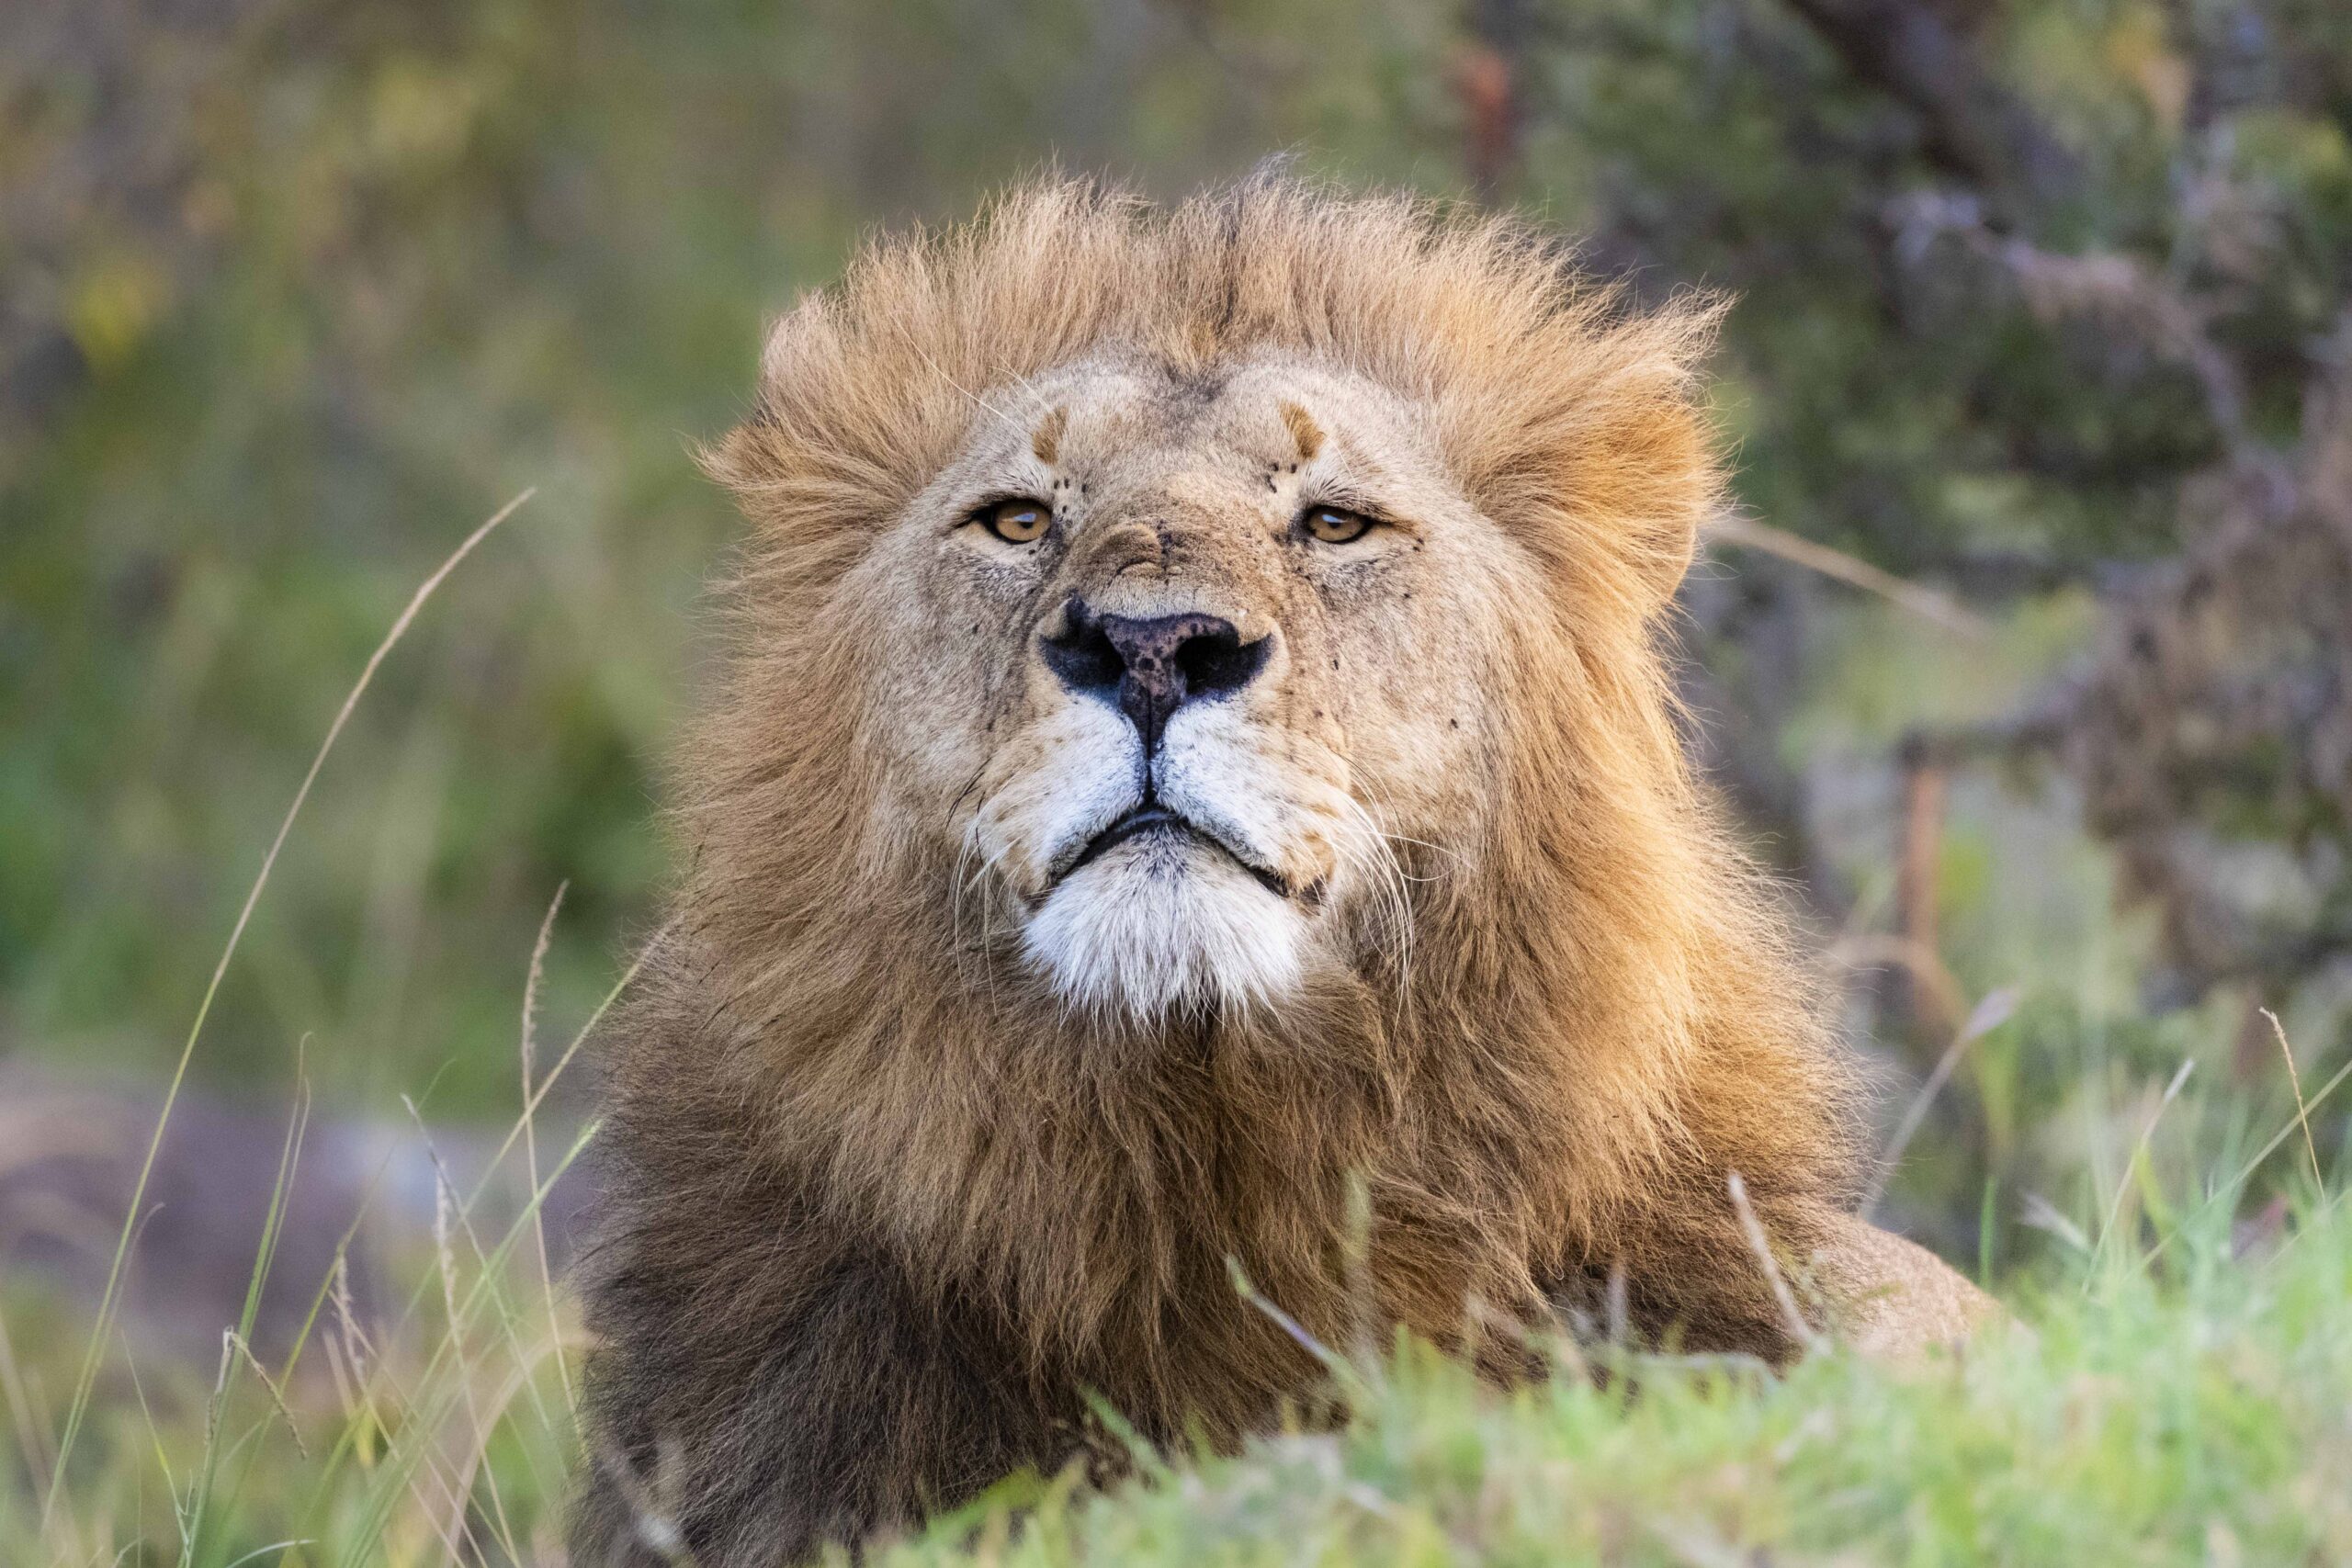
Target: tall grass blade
531,983
110,1299
2302,1111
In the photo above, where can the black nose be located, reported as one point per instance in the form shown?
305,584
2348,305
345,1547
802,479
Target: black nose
1150,667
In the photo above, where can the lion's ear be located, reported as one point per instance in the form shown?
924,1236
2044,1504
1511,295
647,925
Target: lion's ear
1634,484
1599,454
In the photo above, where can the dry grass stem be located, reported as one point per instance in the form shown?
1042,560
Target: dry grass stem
1989,1014
531,984
1925,603
110,1300
1761,1245
2302,1111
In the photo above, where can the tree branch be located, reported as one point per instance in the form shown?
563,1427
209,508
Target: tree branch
1974,128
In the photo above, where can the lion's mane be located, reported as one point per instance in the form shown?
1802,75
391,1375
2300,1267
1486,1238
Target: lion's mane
834,1118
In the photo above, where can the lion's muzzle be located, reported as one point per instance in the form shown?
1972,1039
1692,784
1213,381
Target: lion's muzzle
1150,666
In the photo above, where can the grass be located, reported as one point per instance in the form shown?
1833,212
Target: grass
2191,1406
2201,1418
2184,1395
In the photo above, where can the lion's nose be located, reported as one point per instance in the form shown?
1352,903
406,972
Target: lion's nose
1152,666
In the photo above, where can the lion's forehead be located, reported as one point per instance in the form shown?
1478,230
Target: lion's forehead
1128,417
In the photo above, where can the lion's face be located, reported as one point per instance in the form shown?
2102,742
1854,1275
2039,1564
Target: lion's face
1176,662
1129,592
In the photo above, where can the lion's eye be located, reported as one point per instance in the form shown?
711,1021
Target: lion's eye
1017,521
1334,526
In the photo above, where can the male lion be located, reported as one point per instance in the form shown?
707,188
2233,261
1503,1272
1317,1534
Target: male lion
1198,749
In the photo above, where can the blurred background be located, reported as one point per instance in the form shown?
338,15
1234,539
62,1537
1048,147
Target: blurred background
2027,657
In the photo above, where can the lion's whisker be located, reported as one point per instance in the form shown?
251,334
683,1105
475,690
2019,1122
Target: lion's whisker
1365,850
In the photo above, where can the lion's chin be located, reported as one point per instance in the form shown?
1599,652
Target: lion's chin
1166,925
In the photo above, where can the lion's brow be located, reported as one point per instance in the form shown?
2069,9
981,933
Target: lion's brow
1047,439
1302,430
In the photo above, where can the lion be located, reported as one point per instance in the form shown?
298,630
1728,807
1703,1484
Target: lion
1195,795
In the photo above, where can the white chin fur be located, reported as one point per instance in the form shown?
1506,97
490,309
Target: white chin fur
1160,926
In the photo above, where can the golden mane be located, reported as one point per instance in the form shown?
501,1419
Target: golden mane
830,1065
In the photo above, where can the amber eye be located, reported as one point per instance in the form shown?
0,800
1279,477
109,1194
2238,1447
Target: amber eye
1334,526
1016,522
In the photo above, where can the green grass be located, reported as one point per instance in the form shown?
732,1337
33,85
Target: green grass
2200,1418
2195,1406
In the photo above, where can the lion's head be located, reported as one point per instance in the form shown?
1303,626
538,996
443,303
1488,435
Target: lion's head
1190,578
1196,784
1198,735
